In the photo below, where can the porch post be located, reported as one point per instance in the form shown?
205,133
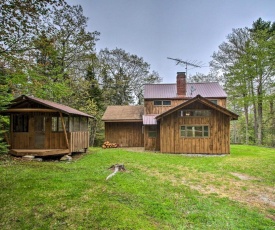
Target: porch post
64,129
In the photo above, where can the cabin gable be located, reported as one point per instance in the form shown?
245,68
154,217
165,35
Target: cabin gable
196,129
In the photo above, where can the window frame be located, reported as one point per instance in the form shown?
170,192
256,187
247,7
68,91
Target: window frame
152,131
194,113
20,123
204,129
57,124
216,101
162,103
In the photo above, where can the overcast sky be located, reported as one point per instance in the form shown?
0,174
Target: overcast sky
156,29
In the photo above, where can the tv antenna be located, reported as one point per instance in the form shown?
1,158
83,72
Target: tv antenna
195,64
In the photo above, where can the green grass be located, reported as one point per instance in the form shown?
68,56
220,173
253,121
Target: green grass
157,191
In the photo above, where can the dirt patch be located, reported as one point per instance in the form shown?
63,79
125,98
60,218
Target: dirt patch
134,149
243,188
243,176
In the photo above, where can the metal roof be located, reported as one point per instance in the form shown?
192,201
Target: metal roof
165,91
123,112
149,119
49,104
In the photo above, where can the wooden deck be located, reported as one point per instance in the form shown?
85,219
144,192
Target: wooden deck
38,152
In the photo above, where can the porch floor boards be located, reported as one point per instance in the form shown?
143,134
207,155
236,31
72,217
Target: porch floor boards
39,152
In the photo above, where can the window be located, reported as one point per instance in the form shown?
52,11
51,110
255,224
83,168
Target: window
54,124
152,131
166,102
194,113
160,103
157,102
20,123
214,101
57,124
83,124
194,131
76,125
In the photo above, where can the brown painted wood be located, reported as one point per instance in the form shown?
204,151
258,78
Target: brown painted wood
217,143
39,152
151,109
31,110
64,130
125,134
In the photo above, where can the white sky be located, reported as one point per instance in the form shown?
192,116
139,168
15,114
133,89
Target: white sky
156,29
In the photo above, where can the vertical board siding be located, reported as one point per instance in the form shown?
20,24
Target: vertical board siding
150,108
20,140
125,134
78,140
150,143
217,143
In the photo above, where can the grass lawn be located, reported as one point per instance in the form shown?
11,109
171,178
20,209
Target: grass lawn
157,191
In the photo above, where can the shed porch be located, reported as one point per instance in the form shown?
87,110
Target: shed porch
39,152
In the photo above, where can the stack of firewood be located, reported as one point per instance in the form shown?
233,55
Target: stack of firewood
107,144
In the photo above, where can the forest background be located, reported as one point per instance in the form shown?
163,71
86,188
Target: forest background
47,51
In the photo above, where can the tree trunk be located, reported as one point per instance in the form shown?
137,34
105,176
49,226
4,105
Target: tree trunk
260,112
272,125
255,111
246,121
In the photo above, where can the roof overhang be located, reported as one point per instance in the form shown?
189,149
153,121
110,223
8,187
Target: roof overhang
30,110
204,101
120,120
51,107
149,119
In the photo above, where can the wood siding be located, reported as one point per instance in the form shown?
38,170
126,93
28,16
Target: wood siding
217,143
125,134
151,143
150,108
78,141
46,138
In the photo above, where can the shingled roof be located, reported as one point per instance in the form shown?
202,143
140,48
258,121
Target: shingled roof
169,91
123,113
49,104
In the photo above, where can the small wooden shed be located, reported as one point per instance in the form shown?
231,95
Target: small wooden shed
43,128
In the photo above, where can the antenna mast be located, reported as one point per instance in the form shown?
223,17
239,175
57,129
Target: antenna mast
194,63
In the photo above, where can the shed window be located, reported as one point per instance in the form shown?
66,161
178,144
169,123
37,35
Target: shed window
194,131
76,125
20,123
57,124
194,113
83,124
152,131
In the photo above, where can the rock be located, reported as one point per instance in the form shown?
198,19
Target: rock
28,157
38,159
66,158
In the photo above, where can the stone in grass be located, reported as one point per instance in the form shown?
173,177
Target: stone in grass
66,158
28,157
38,159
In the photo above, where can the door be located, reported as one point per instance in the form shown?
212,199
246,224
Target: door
39,132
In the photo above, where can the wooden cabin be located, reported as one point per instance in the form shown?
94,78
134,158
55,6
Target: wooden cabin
44,128
124,125
176,118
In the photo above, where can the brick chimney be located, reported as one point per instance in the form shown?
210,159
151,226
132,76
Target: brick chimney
181,84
